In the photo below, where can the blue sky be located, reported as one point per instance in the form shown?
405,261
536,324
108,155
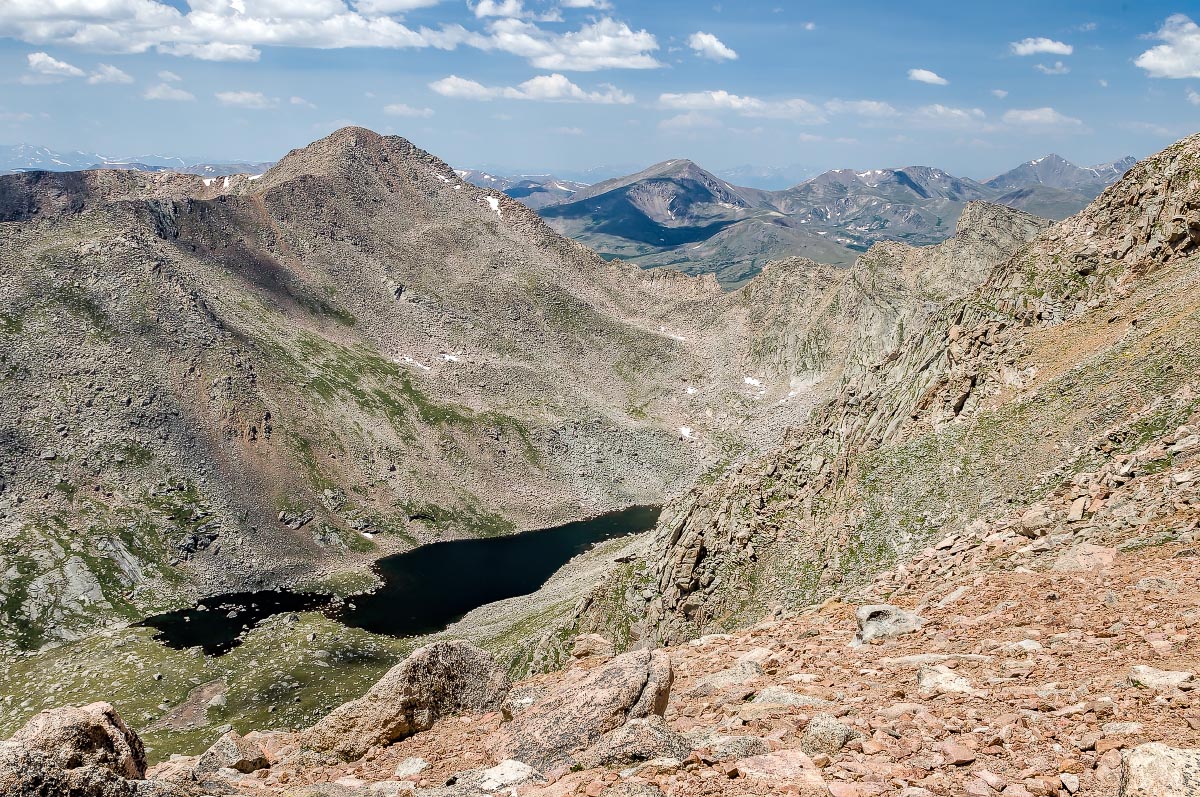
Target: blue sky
568,84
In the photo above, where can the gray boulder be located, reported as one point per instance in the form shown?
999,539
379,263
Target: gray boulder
1156,770
637,740
582,705
93,735
77,752
825,734
232,751
441,680
879,621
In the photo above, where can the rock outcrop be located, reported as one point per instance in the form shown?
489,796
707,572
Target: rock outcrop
77,752
441,680
91,736
576,708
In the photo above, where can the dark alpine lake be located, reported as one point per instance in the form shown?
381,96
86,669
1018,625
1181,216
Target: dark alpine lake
423,590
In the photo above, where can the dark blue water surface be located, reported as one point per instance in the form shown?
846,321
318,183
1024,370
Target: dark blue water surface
423,591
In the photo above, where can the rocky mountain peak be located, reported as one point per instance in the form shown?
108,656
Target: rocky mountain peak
355,153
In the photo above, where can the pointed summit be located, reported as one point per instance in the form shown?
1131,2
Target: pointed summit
355,154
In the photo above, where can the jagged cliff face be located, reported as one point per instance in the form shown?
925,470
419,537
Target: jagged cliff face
1060,362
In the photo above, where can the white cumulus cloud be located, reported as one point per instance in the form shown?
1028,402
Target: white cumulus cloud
107,73
603,44
164,91
46,67
798,109
706,45
1040,44
235,30
252,100
869,108
940,116
1179,57
543,88
927,76
1193,97
400,109
1040,118
1058,68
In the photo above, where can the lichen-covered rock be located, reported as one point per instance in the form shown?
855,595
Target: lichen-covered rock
584,704
825,734
1156,770
440,680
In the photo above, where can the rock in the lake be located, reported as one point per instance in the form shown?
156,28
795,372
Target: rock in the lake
584,704
1156,770
879,621
441,680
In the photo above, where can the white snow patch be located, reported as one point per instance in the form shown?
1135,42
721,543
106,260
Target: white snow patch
411,361
494,204
453,358
691,391
671,335
208,181
753,382
226,185
686,433
254,177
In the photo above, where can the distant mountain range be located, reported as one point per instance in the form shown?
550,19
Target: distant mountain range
679,215
30,157
676,214
533,190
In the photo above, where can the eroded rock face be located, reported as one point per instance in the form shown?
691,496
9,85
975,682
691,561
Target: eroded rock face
93,735
1156,770
440,680
583,705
